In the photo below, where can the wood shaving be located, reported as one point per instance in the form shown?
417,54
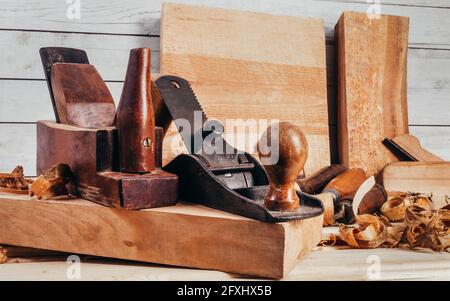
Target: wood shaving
423,228
54,182
395,207
14,182
3,256
427,228
328,208
370,234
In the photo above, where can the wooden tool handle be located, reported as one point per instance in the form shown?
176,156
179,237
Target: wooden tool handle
320,179
135,120
283,167
373,200
347,182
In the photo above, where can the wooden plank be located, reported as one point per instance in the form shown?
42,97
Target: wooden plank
424,177
326,264
109,53
258,80
182,235
142,17
372,102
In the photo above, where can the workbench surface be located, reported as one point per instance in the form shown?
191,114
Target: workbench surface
324,263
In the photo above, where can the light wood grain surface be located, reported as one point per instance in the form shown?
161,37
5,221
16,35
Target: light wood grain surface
424,177
322,264
258,80
372,102
183,235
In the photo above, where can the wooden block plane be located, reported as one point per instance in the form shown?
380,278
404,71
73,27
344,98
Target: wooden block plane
372,98
183,235
251,66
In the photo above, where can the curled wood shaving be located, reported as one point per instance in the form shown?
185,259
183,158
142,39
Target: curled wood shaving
54,182
427,228
370,234
328,208
14,182
394,209
3,256
423,228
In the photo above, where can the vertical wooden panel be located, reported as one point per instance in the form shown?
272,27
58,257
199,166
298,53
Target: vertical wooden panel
250,66
372,101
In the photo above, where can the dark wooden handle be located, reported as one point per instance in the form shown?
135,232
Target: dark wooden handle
373,200
292,153
317,182
135,119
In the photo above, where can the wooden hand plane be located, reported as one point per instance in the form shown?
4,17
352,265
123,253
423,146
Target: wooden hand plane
90,146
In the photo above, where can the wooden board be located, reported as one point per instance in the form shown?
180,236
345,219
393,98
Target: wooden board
183,235
425,177
251,66
323,264
372,97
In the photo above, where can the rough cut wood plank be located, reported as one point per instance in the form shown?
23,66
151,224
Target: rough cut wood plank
109,53
322,264
182,235
425,177
142,17
372,102
271,74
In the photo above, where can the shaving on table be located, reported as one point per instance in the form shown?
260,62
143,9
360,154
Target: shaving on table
408,221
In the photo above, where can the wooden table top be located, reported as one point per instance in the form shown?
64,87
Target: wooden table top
324,263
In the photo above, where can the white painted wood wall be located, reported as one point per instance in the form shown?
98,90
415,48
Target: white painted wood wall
108,29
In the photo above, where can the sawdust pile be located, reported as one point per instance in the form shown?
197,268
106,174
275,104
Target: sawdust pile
421,227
